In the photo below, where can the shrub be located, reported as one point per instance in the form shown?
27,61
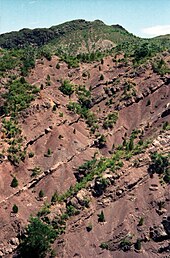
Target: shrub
41,194
14,182
101,77
37,240
138,244
148,102
110,120
159,163
104,246
141,221
15,208
54,198
101,217
66,88
89,228
58,66
31,154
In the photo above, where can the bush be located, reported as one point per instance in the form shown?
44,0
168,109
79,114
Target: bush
66,88
138,244
31,154
41,194
104,246
15,208
58,66
101,217
101,77
14,182
37,240
141,221
110,120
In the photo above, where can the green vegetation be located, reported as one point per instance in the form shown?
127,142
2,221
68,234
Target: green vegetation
54,198
138,244
37,239
160,165
15,208
31,154
57,66
41,194
12,132
84,97
125,244
166,126
49,153
110,120
35,171
18,97
160,67
89,227
101,217
14,182
141,221
66,88
104,245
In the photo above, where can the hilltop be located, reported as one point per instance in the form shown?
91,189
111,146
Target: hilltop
84,143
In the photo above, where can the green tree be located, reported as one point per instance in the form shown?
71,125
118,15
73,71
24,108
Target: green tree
15,208
101,217
14,182
37,240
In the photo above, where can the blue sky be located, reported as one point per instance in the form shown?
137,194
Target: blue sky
145,18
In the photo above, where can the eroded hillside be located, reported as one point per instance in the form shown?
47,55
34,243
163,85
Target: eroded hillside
81,156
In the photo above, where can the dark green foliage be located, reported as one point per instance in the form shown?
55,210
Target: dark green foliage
160,165
88,115
18,97
89,227
28,60
101,141
46,52
142,51
101,217
10,128
41,194
54,107
101,77
35,171
125,244
54,198
148,102
160,67
166,126
66,88
141,221
138,244
14,182
31,154
15,208
104,246
57,66
37,240
110,120
84,97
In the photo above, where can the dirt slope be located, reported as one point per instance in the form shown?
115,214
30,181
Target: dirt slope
71,143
